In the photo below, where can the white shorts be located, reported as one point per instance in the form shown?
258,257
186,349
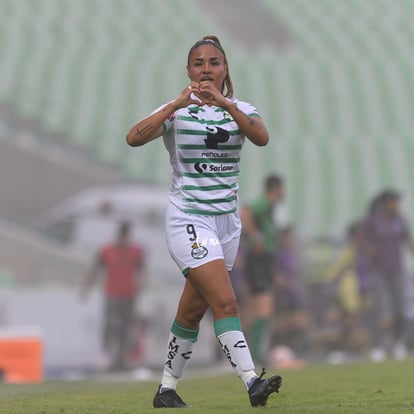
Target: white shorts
194,240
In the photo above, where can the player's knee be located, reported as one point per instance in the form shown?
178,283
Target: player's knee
195,317
191,318
226,308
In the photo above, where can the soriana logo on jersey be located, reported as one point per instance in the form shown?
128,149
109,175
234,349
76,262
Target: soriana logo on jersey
202,167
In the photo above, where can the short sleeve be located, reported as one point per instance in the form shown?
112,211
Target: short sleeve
168,122
247,108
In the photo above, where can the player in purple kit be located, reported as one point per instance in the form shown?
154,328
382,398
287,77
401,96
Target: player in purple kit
387,233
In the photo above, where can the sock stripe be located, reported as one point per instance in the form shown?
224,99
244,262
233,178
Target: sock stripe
224,325
185,333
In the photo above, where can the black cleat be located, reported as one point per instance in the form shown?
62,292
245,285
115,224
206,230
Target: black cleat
168,399
260,390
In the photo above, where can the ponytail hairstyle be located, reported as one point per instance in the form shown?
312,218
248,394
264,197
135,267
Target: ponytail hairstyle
227,87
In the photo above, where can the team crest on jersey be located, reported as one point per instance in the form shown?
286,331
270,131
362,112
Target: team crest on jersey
227,116
198,251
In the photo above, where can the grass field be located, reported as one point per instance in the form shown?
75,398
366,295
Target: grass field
356,388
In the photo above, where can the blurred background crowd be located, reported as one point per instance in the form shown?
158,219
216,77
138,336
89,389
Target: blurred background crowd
346,300
333,275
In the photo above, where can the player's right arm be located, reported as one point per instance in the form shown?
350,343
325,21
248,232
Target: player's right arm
151,127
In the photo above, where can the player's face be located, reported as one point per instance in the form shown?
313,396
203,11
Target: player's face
393,206
207,63
275,195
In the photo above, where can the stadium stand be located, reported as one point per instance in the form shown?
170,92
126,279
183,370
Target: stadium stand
337,98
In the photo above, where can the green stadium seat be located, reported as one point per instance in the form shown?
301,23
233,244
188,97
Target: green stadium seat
337,100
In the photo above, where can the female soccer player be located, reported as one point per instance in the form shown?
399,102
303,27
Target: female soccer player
204,130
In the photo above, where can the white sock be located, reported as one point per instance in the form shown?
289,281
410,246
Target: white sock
234,345
178,356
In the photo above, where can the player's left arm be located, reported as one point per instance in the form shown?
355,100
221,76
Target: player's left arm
251,126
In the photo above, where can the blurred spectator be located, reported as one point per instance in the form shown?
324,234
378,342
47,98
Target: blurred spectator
344,274
365,251
292,318
123,264
261,234
239,283
287,270
387,232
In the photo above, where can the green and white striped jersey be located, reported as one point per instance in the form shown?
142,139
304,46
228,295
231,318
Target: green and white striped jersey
204,144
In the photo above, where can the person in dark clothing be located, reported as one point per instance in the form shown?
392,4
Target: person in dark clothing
261,235
387,233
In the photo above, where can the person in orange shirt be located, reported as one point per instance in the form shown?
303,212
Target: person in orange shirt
122,263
